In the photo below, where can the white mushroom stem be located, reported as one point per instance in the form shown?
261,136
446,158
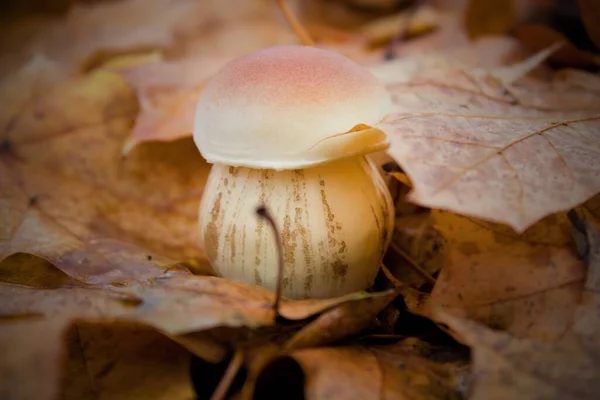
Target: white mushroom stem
336,221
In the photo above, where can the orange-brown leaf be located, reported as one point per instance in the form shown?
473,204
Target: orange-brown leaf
507,366
34,322
69,197
360,372
167,93
528,285
184,304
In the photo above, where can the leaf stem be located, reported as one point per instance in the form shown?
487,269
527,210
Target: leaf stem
418,269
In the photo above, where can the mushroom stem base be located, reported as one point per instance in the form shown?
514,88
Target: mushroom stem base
336,221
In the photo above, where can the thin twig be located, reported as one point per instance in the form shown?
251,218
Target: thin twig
424,274
228,376
262,212
296,26
388,274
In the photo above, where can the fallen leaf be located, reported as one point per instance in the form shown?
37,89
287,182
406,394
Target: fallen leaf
63,180
511,157
134,27
182,304
341,321
510,367
484,17
26,314
538,37
16,87
29,270
167,92
527,285
357,372
124,361
590,13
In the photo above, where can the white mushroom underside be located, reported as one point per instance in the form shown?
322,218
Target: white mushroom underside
336,221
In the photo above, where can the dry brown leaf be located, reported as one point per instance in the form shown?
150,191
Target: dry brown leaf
489,17
29,270
339,322
476,147
509,367
82,35
528,285
167,92
590,14
62,179
32,329
16,88
192,310
359,372
124,361
537,37
182,304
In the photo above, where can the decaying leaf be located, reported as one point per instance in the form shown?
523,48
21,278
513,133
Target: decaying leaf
195,311
479,149
528,285
509,367
358,372
339,322
167,92
81,36
69,197
168,89
96,303
124,361
33,324
183,304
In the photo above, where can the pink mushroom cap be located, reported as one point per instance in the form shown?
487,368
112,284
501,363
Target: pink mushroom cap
289,107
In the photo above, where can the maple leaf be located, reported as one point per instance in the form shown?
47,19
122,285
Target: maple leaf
503,153
509,367
67,195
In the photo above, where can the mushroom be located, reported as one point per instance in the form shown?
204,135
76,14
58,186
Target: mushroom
289,127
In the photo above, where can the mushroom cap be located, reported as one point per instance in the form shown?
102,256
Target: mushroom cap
290,107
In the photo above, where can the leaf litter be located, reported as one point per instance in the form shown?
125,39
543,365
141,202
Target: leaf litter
522,368
122,314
